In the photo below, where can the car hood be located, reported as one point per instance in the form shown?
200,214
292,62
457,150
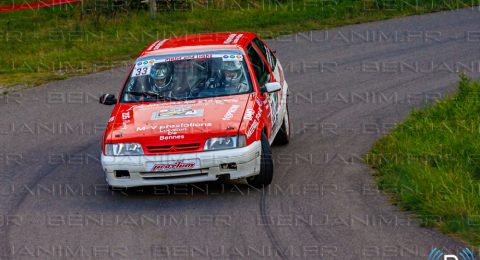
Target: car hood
177,122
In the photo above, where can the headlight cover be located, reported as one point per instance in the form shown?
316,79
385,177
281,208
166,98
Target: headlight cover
226,142
123,149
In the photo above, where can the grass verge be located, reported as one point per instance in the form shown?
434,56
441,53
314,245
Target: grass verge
37,46
430,164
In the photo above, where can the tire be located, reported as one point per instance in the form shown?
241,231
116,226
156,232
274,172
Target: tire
283,135
264,178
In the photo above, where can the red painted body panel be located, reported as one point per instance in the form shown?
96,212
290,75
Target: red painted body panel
192,42
177,122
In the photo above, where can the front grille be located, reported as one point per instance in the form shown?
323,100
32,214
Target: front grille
177,148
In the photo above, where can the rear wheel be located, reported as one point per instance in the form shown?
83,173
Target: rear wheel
266,166
283,135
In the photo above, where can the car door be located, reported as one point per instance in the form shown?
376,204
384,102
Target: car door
275,99
262,74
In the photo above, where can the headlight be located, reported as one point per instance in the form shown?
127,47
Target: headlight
123,149
227,142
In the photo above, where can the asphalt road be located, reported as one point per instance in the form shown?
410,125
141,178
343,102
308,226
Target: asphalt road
348,87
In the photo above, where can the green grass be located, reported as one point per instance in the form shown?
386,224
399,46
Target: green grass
430,164
37,46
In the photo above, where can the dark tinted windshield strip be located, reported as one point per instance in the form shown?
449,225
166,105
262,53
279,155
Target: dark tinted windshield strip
182,54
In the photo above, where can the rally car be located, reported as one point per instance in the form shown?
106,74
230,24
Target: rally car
197,108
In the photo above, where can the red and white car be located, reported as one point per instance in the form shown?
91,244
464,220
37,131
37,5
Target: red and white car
197,108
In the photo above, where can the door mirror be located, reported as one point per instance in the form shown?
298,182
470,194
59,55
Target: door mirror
273,87
108,99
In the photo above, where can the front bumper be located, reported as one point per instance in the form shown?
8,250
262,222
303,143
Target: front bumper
247,160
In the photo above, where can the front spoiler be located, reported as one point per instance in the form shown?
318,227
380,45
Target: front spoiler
246,158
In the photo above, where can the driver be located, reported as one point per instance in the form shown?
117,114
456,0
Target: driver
232,76
161,77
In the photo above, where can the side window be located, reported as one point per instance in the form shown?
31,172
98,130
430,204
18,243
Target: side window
259,67
272,61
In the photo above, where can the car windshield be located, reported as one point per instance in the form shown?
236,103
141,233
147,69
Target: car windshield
187,76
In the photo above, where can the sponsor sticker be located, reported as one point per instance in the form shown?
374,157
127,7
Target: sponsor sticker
230,38
248,114
189,57
159,44
178,165
232,57
273,108
172,128
237,38
156,45
177,112
252,128
230,112
255,123
171,137
127,116
142,68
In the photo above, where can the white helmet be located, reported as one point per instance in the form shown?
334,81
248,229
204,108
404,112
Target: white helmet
232,72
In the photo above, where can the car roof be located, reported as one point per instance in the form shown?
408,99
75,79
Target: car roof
204,41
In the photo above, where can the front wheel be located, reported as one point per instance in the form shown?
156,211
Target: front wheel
264,178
